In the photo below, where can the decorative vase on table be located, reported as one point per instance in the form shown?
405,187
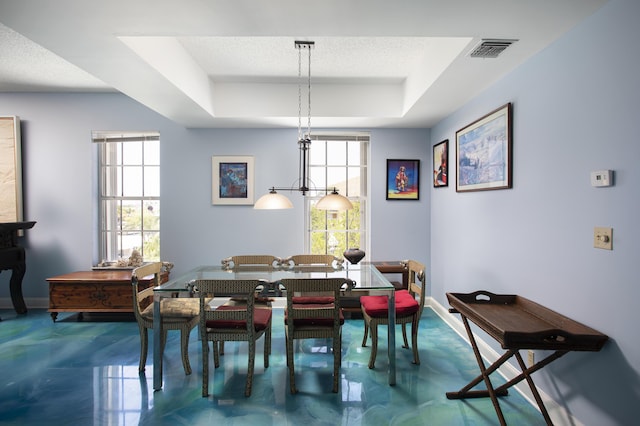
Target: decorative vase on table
353,255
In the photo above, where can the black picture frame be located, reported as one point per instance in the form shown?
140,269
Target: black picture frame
403,179
440,164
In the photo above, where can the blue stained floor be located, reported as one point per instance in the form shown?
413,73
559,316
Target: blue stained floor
86,373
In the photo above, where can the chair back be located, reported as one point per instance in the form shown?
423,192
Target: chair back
142,299
251,260
209,290
308,312
417,282
313,259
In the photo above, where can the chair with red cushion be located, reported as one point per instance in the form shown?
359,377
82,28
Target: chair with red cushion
242,322
408,310
314,320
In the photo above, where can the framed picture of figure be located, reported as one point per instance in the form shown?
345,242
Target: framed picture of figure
440,157
403,179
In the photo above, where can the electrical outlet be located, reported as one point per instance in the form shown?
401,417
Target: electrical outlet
603,238
530,358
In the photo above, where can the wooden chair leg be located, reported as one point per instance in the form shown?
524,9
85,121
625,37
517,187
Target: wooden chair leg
414,341
144,343
404,336
250,367
184,350
366,333
374,344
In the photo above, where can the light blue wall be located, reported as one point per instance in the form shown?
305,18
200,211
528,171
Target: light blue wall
576,107
59,181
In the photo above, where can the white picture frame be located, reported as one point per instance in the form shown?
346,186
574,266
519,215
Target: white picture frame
232,180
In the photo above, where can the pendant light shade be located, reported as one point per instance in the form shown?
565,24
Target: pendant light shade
334,202
273,201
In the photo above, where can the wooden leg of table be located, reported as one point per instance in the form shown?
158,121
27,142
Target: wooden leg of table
465,392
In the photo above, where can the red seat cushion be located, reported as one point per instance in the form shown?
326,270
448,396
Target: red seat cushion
315,300
261,319
376,306
324,322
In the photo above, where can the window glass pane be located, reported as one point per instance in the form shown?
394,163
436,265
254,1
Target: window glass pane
152,181
353,153
151,153
151,215
353,182
129,241
151,247
132,181
336,243
336,153
131,153
317,152
131,215
337,177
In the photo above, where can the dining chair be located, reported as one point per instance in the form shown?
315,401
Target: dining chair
313,259
375,311
309,320
178,313
241,322
250,260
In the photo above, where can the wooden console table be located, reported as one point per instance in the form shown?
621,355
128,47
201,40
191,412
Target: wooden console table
12,256
518,324
94,291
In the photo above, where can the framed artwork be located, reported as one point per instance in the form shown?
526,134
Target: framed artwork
232,180
483,153
403,179
10,170
440,156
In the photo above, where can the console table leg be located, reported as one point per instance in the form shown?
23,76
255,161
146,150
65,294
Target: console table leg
15,286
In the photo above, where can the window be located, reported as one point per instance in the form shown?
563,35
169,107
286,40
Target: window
340,162
128,194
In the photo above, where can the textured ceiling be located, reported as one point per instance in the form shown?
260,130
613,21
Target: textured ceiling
224,63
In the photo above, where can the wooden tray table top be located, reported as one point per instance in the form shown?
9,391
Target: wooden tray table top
519,323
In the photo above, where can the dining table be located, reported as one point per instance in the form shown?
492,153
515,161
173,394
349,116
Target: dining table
360,279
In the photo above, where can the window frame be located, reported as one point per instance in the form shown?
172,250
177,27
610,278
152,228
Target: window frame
111,228
362,198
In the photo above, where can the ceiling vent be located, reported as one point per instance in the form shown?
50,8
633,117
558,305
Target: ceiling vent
490,48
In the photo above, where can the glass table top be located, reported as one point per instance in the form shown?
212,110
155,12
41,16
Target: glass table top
363,276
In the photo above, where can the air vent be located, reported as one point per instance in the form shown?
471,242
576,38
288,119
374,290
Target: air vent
490,48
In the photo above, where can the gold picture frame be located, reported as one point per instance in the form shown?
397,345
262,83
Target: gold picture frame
11,203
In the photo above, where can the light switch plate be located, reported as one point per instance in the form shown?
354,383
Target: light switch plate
602,178
603,238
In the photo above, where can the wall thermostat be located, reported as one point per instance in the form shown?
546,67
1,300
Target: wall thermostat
602,178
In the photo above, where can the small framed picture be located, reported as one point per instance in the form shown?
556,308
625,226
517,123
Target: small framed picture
403,179
232,180
483,152
440,156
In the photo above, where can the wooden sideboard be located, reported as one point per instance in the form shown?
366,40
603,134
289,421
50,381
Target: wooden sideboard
94,291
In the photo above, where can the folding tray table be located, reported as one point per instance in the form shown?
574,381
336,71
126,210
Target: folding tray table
518,324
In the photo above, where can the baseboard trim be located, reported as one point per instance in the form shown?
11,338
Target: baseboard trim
559,415
31,302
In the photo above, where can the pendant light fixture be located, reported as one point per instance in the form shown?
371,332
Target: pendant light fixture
332,201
